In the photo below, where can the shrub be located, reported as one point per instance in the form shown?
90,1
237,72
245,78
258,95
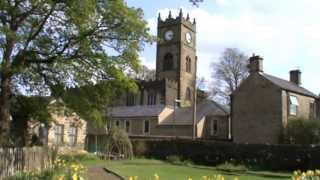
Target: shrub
308,175
228,166
302,131
174,159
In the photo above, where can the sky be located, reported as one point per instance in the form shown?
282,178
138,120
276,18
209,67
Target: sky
285,33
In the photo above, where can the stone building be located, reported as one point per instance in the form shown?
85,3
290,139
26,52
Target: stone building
263,104
164,107
67,130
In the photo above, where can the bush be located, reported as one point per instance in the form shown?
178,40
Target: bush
173,159
257,156
302,131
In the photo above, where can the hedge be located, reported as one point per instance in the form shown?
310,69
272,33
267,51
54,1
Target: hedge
255,156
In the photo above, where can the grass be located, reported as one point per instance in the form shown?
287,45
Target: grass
146,168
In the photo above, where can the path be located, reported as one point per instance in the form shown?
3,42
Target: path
98,173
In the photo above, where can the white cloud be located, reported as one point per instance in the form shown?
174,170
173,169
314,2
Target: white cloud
285,34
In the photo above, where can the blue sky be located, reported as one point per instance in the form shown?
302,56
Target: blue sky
285,33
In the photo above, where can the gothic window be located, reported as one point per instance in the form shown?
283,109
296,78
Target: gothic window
168,62
188,64
189,94
152,98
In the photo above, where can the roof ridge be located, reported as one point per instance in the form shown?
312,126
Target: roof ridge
290,86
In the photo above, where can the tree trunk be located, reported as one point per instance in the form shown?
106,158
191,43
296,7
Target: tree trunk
5,116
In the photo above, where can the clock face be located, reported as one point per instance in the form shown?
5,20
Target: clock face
188,37
168,35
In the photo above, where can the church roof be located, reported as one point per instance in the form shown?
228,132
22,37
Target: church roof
289,86
136,111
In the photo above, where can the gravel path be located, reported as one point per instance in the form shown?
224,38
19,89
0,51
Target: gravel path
98,173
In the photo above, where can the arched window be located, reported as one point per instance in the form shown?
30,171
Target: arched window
168,62
188,94
188,64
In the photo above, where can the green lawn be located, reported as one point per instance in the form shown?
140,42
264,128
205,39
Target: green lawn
146,168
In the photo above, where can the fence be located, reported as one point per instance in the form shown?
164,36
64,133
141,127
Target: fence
13,160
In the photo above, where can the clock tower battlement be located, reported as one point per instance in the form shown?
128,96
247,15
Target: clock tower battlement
176,54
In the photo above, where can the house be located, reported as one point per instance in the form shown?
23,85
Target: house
167,106
263,104
66,130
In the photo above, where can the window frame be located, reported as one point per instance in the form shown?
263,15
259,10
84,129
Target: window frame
214,127
127,129
293,105
144,127
59,134
168,63
188,94
188,64
152,98
75,136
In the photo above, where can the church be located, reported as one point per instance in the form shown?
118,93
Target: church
168,106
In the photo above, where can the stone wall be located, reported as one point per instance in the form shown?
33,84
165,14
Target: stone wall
222,125
256,111
68,121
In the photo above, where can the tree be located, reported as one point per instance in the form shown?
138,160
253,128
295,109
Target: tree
144,73
47,46
228,73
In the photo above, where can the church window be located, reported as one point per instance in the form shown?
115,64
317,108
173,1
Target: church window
127,126
294,104
146,127
130,100
117,123
188,64
151,98
188,94
214,127
168,62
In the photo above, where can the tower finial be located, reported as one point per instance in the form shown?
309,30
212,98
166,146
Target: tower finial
188,17
170,16
180,13
194,20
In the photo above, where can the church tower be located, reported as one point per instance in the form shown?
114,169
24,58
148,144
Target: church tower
176,54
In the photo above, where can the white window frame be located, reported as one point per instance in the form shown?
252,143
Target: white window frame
293,103
75,135
144,126
60,134
125,126
212,131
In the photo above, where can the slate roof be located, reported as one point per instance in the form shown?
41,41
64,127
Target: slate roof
289,86
136,111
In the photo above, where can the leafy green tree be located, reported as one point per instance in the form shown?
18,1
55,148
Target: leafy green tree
48,46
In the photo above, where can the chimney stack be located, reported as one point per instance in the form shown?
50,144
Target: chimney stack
295,76
255,64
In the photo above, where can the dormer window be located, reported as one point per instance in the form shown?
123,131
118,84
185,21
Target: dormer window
168,62
293,106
